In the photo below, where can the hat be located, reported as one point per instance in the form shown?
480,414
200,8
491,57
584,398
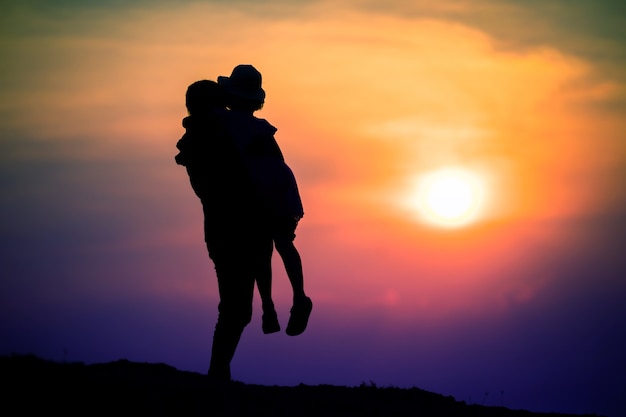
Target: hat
244,82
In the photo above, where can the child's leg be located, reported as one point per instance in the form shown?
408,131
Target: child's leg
302,304
293,265
264,285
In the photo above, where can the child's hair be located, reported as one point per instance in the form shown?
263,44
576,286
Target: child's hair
235,102
204,95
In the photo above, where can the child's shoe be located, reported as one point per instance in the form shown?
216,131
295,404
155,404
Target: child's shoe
299,318
270,321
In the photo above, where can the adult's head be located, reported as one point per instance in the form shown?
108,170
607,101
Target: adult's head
243,88
204,96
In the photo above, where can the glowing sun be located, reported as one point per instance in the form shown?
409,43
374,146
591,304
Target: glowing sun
450,197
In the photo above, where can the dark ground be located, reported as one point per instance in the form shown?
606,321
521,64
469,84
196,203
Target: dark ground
32,385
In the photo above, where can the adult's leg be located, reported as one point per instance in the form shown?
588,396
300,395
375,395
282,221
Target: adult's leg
238,259
236,286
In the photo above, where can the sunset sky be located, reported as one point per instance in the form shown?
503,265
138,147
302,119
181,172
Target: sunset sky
101,242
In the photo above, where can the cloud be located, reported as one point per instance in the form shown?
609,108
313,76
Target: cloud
367,96
376,100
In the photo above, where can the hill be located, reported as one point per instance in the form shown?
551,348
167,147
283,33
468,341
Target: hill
130,388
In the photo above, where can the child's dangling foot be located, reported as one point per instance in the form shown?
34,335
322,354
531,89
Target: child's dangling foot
299,318
270,319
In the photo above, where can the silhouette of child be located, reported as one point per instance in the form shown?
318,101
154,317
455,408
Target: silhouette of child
277,188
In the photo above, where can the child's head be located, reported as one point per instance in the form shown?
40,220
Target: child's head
204,96
243,88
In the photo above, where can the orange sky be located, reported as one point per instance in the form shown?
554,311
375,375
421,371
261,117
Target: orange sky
367,99
365,104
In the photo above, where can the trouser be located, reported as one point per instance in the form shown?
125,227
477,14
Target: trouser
238,258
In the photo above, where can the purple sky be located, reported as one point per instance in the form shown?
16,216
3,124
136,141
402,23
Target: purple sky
102,253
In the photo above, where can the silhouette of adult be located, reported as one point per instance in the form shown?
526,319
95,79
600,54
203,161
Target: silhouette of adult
236,235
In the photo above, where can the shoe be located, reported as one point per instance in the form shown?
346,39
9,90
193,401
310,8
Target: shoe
270,322
299,318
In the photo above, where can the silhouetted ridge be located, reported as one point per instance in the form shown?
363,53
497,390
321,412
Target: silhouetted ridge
130,388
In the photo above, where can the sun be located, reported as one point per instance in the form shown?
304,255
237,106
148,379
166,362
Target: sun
450,197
